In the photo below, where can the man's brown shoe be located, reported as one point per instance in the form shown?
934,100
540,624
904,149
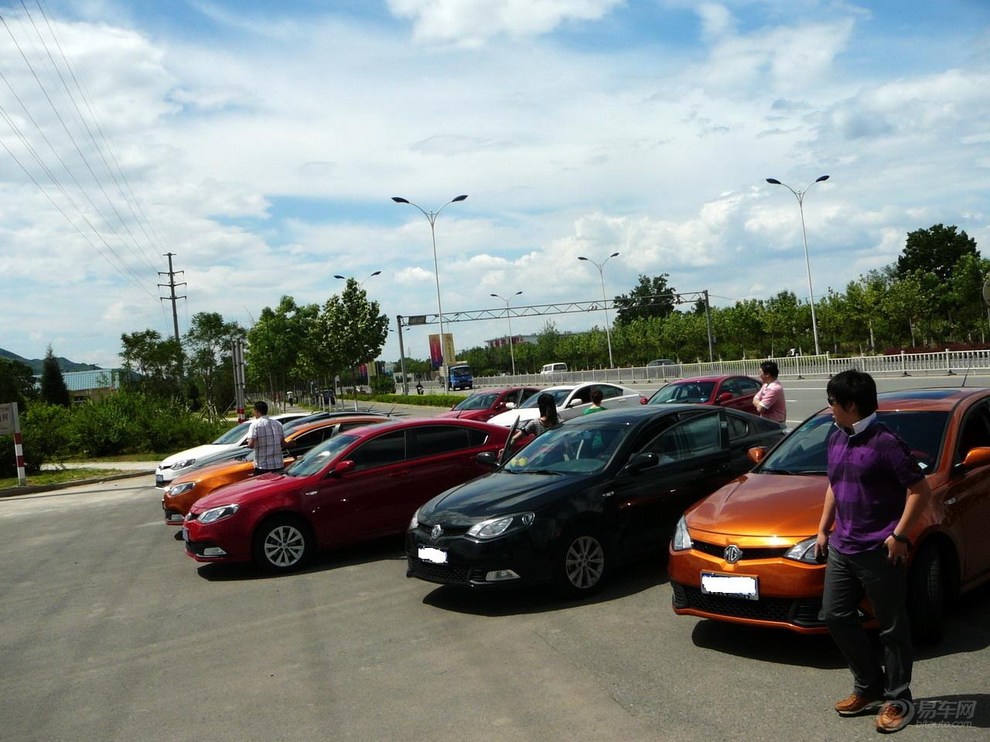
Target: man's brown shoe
857,704
894,716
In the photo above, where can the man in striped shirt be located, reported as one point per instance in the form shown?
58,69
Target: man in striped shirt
265,436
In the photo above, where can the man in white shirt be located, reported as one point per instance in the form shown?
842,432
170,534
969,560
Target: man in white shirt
267,439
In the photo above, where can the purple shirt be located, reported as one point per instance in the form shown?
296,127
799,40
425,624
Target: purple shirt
870,472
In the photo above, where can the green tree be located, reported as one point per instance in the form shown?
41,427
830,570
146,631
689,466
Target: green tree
651,297
209,351
16,382
53,388
348,331
935,250
156,361
279,354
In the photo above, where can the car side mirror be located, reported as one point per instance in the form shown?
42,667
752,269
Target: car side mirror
510,405
723,397
977,457
757,454
641,461
343,467
487,458
576,402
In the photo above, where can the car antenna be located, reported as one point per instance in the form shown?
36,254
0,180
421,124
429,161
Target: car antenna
966,375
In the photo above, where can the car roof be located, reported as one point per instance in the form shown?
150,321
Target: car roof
421,422
927,399
718,377
330,421
639,413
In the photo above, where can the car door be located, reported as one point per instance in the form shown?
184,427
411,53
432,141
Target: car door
440,457
614,397
743,390
577,402
967,497
693,461
363,501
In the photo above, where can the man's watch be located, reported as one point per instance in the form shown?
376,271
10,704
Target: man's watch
903,539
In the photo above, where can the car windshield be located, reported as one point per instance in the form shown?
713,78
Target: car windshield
575,450
559,396
804,451
692,391
317,458
233,435
477,402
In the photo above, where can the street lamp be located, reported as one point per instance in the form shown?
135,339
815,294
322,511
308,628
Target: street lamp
799,195
509,317
601,275
361,283
431,217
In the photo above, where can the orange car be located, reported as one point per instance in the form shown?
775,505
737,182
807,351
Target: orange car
183,491
746,553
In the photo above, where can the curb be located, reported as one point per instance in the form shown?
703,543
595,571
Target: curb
32,489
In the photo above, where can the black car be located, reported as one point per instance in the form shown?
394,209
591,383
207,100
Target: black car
599,490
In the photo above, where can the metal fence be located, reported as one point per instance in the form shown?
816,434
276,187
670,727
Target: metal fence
947,362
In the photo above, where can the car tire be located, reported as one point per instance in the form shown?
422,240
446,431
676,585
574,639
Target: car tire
581,562
926,596
282,544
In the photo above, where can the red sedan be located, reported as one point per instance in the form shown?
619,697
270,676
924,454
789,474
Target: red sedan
484,405
358,485
729,391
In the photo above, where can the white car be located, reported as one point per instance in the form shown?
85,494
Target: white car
180,463
572,400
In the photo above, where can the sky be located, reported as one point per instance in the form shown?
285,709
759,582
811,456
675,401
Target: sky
260,143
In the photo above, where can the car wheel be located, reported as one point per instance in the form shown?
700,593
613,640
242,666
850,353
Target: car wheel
282,544
581,562
926,596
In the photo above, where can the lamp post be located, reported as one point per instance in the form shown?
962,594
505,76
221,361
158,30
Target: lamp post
431,217
509,318
601,275
799,195
354,368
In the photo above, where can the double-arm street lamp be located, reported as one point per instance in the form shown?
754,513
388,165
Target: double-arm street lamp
799,195
361,283
431,217
509,318
601,275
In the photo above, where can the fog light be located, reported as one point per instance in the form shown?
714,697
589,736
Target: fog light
213,551
501,575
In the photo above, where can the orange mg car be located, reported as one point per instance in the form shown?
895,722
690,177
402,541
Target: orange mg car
183,491
746,553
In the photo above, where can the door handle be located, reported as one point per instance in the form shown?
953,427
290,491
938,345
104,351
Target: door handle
310,493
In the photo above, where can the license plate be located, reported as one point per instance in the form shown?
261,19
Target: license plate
185,534
736,586
159,480
428,554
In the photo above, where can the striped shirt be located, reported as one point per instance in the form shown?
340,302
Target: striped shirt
265,437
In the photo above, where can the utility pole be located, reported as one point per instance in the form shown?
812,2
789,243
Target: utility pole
175,314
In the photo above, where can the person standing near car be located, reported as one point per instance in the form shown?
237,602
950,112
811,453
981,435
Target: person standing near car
548,419
769,401
596,402
875,495
266,438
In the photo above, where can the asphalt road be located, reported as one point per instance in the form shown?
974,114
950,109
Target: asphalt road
111,633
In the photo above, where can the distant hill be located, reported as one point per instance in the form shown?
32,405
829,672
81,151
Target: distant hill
37,364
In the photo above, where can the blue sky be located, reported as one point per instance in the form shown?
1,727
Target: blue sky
261,142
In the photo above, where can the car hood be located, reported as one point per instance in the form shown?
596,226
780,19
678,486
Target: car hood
246,491
762,505
498,493
507,418
198,452
480,415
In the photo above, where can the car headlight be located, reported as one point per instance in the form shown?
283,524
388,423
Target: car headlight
803,551
505,524
682,539
414,523
178,489
183,464
218,513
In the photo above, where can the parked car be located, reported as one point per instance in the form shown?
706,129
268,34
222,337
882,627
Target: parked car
171,466
549,369
662,362
582,498
728,391
572,400
194,485
745,554
358,485
485,405
313,417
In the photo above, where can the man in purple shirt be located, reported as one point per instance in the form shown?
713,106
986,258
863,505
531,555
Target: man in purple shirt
876,493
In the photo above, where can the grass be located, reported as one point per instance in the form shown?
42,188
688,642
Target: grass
60,476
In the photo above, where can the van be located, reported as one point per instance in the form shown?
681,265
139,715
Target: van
461,377
550,369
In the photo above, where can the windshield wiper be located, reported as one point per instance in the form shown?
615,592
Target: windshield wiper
541,471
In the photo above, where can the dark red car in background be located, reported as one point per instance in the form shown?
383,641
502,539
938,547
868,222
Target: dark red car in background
484,405
358,485
728,391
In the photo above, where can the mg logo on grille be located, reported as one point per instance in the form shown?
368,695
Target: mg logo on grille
732,553
436,532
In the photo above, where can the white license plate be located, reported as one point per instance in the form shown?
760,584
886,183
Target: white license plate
428,554
737,586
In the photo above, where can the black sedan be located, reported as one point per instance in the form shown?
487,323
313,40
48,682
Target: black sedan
598,491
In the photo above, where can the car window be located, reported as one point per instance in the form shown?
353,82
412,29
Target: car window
477,402
747,386
389,448
975,432
608,391
738,427
318,457
433,440
233,435
574,450
694,437
308,439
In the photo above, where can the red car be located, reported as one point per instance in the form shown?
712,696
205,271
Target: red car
360,484
484,405
729,391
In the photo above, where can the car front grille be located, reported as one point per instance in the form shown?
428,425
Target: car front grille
747,554
443,574
803,612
